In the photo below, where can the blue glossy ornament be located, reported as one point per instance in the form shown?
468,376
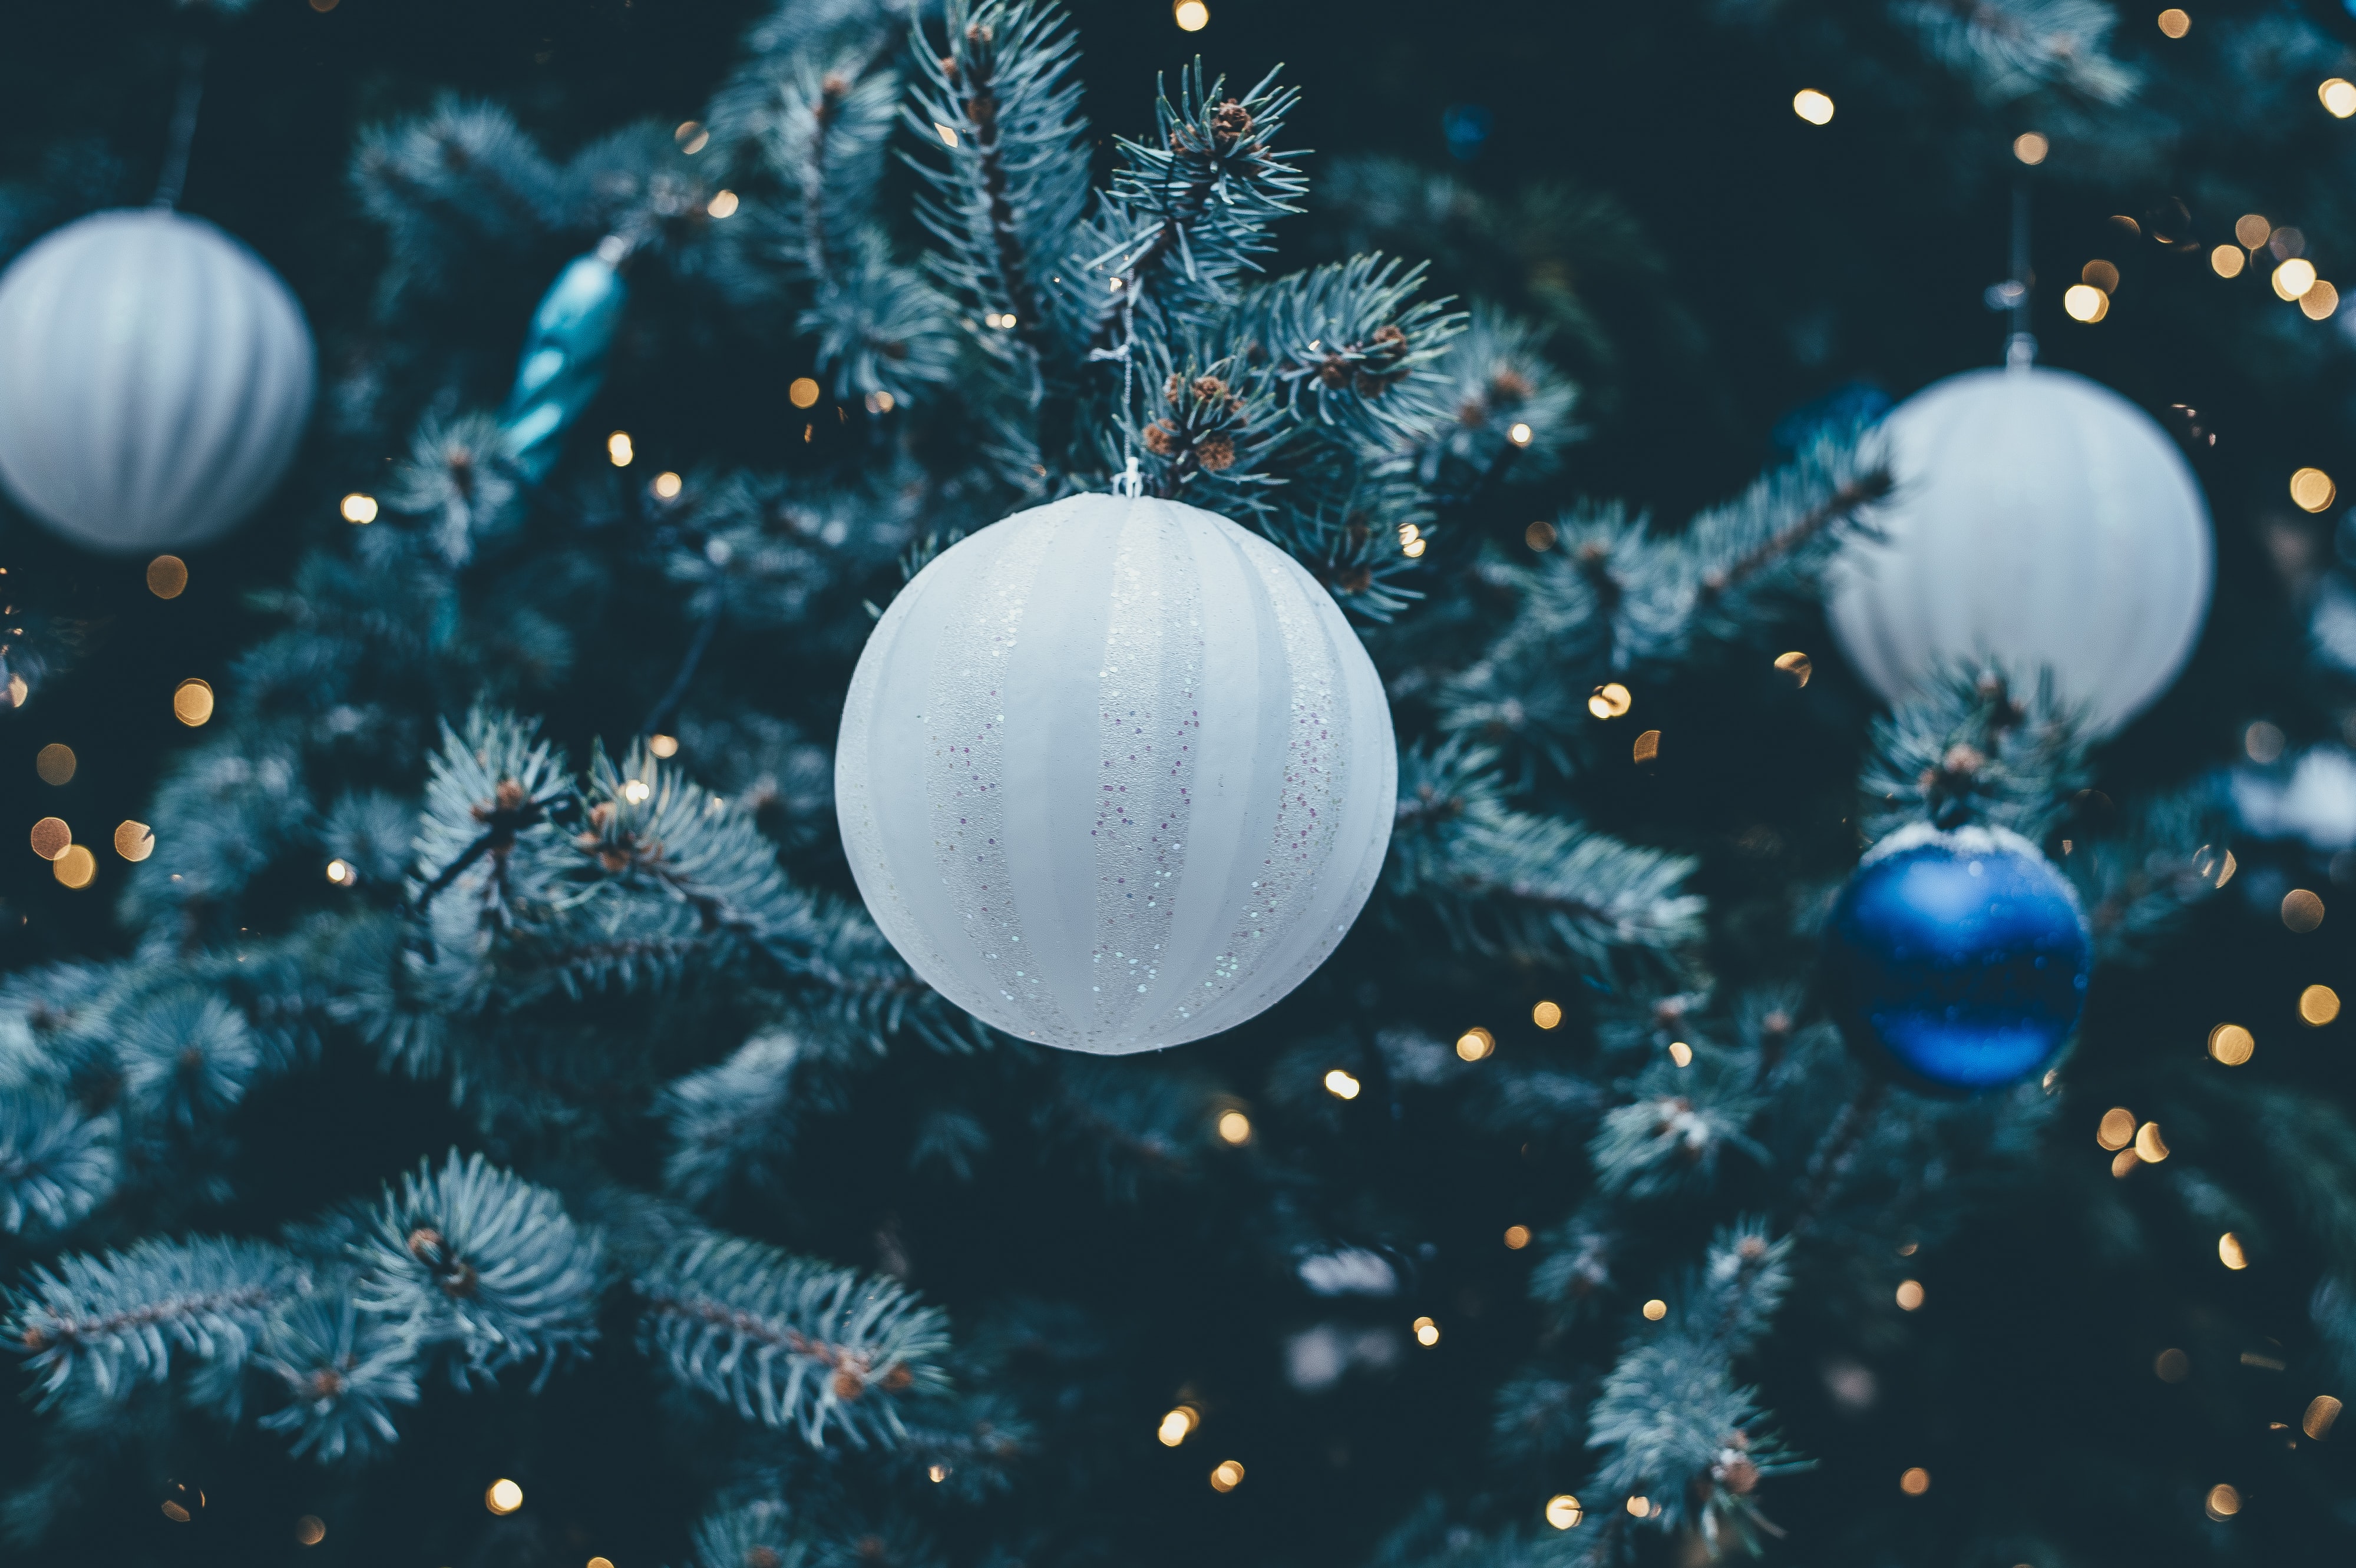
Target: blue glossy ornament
563,360
1959,959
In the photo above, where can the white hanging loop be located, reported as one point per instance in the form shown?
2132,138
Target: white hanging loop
1131,483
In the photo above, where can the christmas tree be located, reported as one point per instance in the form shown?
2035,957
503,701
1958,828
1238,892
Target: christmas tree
468,1115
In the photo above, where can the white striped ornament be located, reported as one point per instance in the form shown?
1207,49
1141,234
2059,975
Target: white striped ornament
155,378
2040,519
1115,774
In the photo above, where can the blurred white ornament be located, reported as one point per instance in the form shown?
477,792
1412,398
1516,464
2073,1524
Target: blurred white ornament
1115,774
2316,801
155,377
2040,519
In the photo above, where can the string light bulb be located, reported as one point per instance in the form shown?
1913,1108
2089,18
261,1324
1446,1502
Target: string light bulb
1547,1015
1341,1085
1235,1128
2319,1005
1191,15
2229,1253
1475,1044
1813,107
2031,147
1426,1332
339,872
1562,1511
2232,1044
1909,1295
2338,95
133,840
359,509
2294,277
167,576
2174,23
1178,1425
723,204
192,701
503,1496
1656,1309
1226,1476
1516,1237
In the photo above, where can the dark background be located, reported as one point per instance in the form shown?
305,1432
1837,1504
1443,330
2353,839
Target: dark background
1778,262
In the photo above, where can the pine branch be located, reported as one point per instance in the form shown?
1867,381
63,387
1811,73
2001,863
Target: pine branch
97,1324
475,1259
792,1343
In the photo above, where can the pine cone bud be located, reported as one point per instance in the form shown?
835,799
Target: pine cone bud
1509,386
1751,1249
510,794
1740,1477
848,1383
1217,453
426,1245
1210,388
896,1378
1161,438
763,1557
1334,372
1964,760
1229,120
1174,390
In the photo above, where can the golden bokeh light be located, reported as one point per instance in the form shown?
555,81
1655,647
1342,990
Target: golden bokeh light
1341,1085
2124,1161
938,1472
2174,23
2030,147
357,509
666,485
619,450
1547,1015
1796,665
1426,1332
2321,1412
2294,277
663,745
2227,260
1413,548
1610,701
2302,911
880,402
1681,1053
1914,1481
721,205
2223,1502
1562,1511
2102,275
802,393
1639,1507
1235,1128
503,1496
636,790
1226,1476
2251,229
51,837
339,872
2311,490
2085,303
1656,1309
1648,746
310,1529
2320,301
948,133
1178,1425
2149,1147
2229,1253
1475,1044
2171,1366
691,137
167,577
2232,1044
2338,97
1813,106
192,701
76,866
1191,15
1539,535
2319,1005
2116,1129
55,764
1909,1295
1519,434
133,840
1516,1237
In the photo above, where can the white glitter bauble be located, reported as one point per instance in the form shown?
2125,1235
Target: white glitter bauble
1115,774
2040,518
155,377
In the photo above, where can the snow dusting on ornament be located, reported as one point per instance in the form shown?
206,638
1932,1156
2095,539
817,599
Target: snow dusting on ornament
1115,774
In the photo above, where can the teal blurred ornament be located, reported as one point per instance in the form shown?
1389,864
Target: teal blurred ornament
1957,959
563,360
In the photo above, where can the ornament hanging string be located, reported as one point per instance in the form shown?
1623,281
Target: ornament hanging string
1128,482
174,175
2020,348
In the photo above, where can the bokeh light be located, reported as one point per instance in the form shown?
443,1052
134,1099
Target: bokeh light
1813,106
2030,147
76,868
1547,1015
2232,1044
503,1496
55,763
167,576
133,840
2319,1005
1191,15
192,701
